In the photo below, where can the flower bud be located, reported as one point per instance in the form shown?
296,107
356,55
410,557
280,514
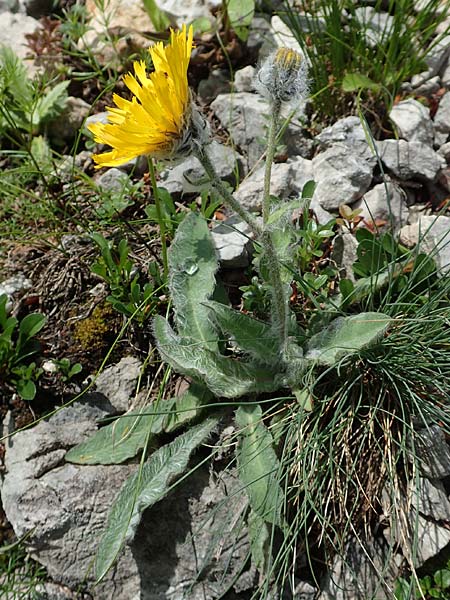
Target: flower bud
283,76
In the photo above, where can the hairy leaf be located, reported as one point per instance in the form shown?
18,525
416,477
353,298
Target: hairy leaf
143,489
125,437
258,464
258,532
346,335
193,264
51,104
224,376
251,335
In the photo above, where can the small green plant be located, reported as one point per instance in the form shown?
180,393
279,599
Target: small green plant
66,369
20,575
127,295
436,585
24,104
17,346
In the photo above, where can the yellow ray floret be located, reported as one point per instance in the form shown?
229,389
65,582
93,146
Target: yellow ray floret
154,120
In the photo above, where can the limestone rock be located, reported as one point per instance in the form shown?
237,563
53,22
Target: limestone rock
384,202
348,131
377,25
189,176
217,82
113,180
341,177
432,450
410,160
245,116
188,10
434,235
357,575
413,121
15,284
442,116
14,28
344,254
233,241
250,192
431,500
243,79
118,382
283,35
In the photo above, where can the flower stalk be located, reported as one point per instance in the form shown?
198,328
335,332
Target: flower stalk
160,217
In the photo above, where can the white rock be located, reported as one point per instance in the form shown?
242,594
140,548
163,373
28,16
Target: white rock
244,78
66,125
187,11
301,172
233,241
424,88
341,177
444,151
348,131
113,180
377,26
189,176
385,202
445,77
344,253
283,35
410,160
413,121
431,448
438,55
17,283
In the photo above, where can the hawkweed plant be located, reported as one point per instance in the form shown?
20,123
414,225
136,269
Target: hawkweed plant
345,402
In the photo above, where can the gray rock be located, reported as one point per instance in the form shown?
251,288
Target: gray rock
356,575
250,191
442,116
101,117
348,131
437,56
243,79
283,35
186,11
217,82
445,77
413,121
431,499
233,242
425,88
344,254
410,160
301,171
419,538
14,28
260,38
437,231
113,180
65,504
245,116
305,591
432,451
384,202
189,176
341,177
118,382
65,127
11,6
323,216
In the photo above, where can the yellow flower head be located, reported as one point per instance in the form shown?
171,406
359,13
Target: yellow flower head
154,122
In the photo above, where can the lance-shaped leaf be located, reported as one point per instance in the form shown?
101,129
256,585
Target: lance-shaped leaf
224,376
148,485
251,335
193,264
347,335
126,436
259,535
258,464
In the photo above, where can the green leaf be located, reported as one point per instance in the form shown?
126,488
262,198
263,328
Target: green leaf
157,16
251,335
309,189
143,489
442,578
353,82
51,104
258,464
282,213
224,376
193,264
258,533
26,389
346,335
125,437
240,14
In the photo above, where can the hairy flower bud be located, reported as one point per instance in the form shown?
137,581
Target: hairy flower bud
283,76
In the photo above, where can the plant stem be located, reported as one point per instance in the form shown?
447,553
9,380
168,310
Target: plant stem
270,153
226,195
162,227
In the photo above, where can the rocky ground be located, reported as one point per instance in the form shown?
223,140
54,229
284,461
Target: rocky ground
405,186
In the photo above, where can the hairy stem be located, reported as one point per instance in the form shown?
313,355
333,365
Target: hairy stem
225,194
162,227
270,153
